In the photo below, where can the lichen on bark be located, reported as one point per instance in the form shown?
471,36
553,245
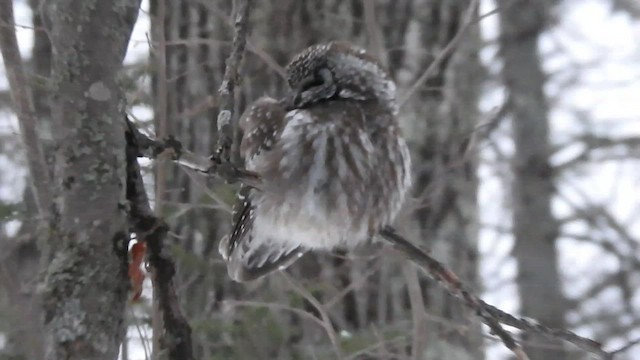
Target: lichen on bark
86,283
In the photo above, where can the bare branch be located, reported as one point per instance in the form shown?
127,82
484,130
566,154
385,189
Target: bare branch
24,107
532,326
416,299
161,101
267,59
438,272
448,50
176,335
152,148
373,30
226,93
489,314
624,348
630,145
326,320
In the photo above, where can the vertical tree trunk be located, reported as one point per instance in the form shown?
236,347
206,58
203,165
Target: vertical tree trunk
535,228
19,267
86,282
441,117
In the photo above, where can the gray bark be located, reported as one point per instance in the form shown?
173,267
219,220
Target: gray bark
534,226
86,281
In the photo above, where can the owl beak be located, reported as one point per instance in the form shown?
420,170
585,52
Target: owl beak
293,99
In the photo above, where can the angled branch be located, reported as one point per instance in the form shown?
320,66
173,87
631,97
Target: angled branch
23,103
623,348
152,148
630,144
445,277
176,337
534,327
468,20
489,314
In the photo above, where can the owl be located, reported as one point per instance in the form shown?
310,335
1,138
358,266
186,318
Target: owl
335,168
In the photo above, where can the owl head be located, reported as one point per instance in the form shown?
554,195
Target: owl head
338,70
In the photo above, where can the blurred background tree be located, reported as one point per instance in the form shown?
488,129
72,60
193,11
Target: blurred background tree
525,159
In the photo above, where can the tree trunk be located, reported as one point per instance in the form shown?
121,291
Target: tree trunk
86,282
535,228
440,118
20,267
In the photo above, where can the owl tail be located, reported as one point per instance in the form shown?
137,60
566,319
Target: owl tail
253,258
250,257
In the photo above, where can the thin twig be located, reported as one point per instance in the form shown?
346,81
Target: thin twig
373,31
175,337
303,314
152,148
448,50
160,112
532,326
416,300
160,108
268,60
24,106
226,93
622,349
326,320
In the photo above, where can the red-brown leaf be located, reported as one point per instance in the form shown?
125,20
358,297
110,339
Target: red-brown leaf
136,275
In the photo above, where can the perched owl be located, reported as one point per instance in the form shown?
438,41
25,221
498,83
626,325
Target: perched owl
335,168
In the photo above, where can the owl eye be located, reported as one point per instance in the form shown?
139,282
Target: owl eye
313,89
311,82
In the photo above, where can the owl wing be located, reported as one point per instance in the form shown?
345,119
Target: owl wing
261,126
249,255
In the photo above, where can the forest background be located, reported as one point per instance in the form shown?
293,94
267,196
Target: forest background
525,139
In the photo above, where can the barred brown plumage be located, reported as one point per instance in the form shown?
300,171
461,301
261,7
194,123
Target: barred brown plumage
335,168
